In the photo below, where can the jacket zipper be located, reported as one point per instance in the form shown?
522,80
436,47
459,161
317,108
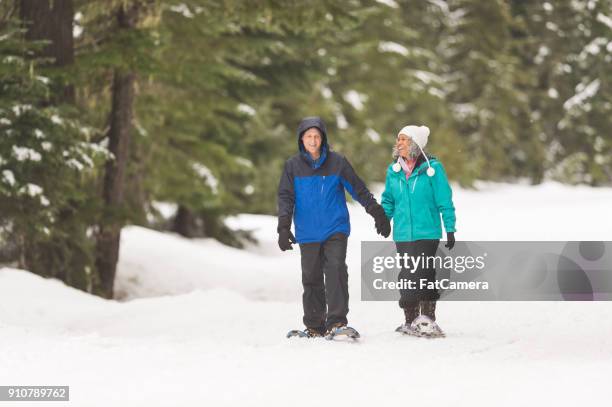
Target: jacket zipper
409,205
411,222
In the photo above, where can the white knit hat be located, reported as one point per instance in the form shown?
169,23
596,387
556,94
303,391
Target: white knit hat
419,134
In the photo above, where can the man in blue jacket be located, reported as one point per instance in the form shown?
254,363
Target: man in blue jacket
311,191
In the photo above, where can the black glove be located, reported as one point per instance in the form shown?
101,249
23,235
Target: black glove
383,226
450,240
285,239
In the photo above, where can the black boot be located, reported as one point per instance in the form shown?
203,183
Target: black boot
314,332
428,308
411,311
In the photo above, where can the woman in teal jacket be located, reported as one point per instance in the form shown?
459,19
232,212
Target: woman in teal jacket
417,194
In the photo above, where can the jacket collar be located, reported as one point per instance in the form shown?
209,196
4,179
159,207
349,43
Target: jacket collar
315,164
419,167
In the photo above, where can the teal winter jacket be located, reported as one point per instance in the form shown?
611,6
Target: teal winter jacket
415,205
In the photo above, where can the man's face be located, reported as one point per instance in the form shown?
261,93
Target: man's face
312,141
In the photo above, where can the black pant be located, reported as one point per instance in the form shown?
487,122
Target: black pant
325,281
423,249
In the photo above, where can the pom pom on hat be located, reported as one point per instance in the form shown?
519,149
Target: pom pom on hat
419,134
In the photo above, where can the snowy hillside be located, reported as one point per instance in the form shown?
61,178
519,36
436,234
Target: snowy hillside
199,323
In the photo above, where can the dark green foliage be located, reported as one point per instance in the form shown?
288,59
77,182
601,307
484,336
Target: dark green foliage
45,161
511,89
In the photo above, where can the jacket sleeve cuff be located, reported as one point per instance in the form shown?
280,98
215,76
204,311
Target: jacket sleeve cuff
284,222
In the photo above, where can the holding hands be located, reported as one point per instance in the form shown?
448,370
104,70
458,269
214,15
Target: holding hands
383,226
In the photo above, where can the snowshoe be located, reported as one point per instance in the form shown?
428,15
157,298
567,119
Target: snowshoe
306,333
405,329
425,327
342,330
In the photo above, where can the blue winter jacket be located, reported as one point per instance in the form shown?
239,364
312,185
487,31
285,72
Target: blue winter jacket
312,192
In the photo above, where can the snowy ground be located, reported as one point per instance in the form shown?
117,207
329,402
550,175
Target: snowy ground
203,324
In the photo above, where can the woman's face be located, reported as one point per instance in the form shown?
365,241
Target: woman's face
403,145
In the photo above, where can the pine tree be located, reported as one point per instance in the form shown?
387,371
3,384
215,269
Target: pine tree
488,98
564,51
224,119
584,102
121,33
45,153
389,74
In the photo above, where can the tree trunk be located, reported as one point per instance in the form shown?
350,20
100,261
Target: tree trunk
109,237
114,178
51,20
184,222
